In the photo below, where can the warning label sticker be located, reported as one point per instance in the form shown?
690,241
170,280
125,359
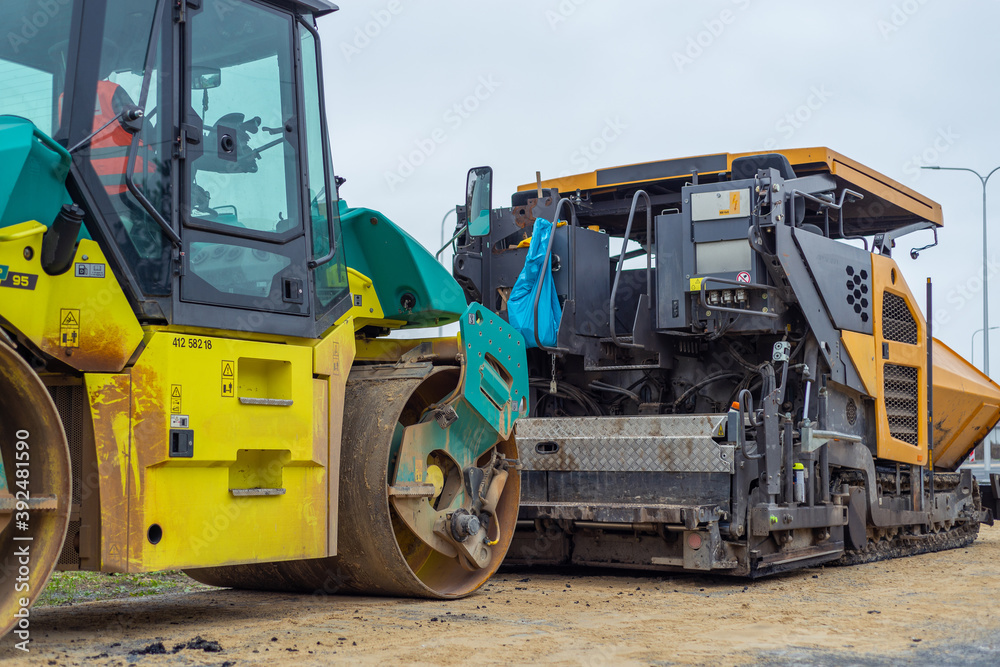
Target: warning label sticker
175,398
69,327
228,379
734,203
84,270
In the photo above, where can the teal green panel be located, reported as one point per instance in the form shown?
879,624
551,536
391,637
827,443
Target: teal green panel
497,377
492,397
33,171
398,266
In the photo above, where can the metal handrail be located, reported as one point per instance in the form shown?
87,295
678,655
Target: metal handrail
840,209
545,262
437,255
621,261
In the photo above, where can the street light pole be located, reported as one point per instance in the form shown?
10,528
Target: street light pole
986,292
972,344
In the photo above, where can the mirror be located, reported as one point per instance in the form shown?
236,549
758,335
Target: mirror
479,200
204,78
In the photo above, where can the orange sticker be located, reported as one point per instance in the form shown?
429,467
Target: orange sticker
734,202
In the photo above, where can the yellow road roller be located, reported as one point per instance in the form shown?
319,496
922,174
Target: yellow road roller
195,371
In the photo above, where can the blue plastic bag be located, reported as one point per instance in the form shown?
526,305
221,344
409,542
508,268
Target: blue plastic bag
520,306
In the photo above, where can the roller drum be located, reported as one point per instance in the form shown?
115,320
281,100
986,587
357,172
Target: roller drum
377,553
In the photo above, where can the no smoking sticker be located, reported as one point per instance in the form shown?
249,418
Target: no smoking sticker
743,277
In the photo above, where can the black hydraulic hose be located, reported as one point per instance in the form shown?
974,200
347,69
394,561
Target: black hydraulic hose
601,386
568,391
703,383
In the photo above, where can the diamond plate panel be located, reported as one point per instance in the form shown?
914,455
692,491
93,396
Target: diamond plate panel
648,443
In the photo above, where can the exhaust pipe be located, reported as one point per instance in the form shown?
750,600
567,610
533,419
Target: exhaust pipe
59,242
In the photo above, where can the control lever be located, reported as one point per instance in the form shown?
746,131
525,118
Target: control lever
251,126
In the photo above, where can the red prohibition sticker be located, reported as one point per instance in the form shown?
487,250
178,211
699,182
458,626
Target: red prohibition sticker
743,277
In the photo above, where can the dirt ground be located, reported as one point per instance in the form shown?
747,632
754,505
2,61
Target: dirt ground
932,609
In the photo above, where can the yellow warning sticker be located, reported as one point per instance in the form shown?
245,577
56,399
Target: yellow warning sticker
175,398
695,284
418,469
69,327
734,204
336,358
228,379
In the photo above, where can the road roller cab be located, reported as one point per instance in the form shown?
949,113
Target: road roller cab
195,372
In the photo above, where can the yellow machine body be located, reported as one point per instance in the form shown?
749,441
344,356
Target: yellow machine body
966,406
966,403
208,450
261,476
262,483
84,321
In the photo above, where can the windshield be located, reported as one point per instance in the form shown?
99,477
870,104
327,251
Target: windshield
33,59
243,90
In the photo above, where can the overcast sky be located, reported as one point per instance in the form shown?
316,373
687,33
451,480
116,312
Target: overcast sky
419,92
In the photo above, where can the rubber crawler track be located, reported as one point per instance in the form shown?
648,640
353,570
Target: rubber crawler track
902,545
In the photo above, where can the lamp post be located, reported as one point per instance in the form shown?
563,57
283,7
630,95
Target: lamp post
972,343
986,292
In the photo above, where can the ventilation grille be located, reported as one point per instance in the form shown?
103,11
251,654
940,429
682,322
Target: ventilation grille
897,321
900,395
70,406
857,292
69,557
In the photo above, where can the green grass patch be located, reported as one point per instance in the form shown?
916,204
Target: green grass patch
73,586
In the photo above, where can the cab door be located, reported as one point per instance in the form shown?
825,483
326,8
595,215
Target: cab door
245,212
